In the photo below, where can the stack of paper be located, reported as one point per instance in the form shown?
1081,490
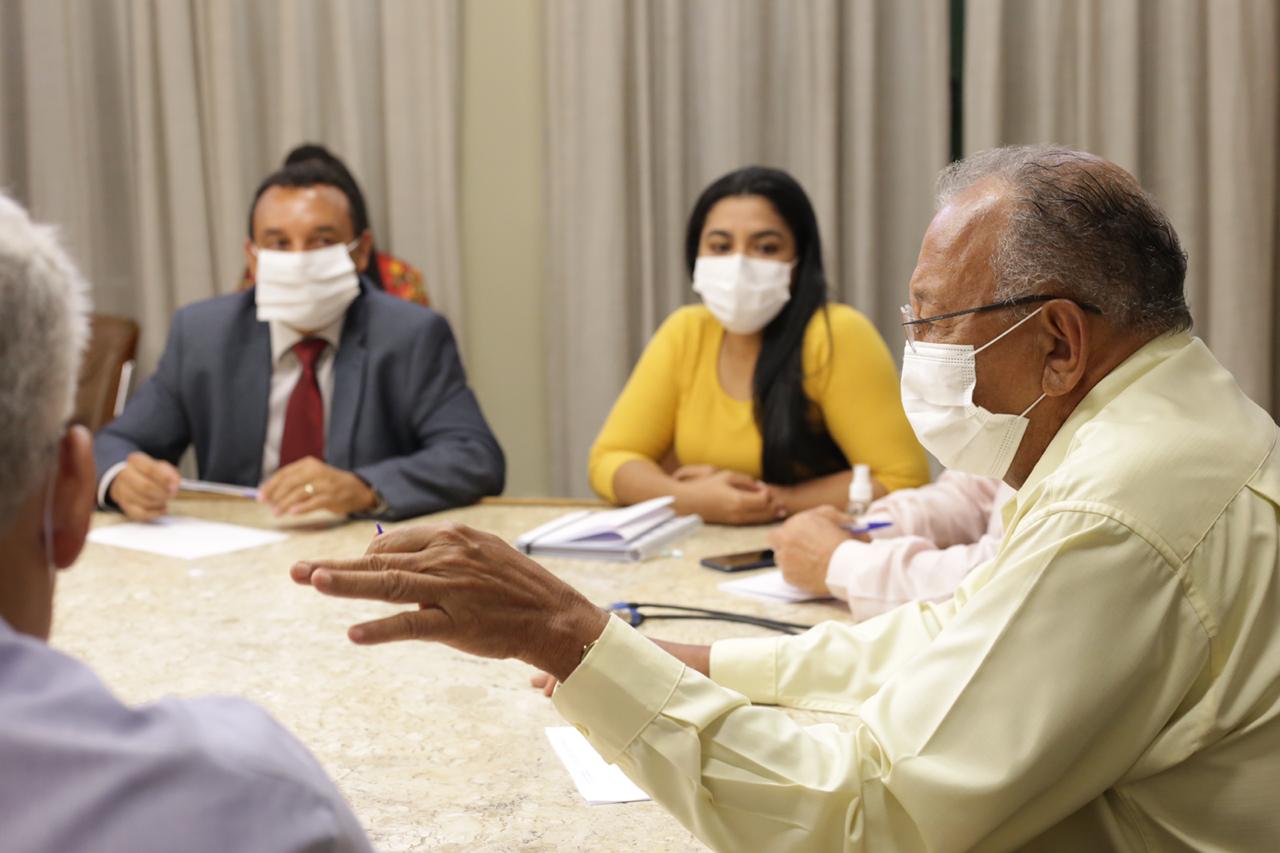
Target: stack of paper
770,586
631,533
597,782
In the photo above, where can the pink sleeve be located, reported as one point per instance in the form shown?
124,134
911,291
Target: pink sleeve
954,510
878,576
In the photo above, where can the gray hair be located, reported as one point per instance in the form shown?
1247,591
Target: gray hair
44,307
1082,227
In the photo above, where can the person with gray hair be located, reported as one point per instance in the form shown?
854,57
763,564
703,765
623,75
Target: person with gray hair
1107,682
82,771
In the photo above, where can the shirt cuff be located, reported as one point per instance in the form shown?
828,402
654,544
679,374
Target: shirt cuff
749,666
104,484
622,684
601,474
840,568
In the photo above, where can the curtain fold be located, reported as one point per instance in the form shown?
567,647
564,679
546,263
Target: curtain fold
143,127
648,102
1182,93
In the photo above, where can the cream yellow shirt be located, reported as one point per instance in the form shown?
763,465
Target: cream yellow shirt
674,400
1110,681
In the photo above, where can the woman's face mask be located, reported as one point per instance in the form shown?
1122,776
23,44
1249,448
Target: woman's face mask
306,290
742,292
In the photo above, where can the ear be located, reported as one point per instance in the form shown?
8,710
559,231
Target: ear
1066,346
251,259
364,252
74,495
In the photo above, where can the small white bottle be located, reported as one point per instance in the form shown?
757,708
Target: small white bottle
860,492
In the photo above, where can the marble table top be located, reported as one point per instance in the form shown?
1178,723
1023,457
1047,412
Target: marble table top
434,749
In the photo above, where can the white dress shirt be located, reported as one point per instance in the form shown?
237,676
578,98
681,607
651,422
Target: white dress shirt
81,772
286,370
938,534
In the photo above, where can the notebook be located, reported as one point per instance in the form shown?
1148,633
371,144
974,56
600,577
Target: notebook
621,535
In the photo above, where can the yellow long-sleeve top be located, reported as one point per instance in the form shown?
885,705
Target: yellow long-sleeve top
674,399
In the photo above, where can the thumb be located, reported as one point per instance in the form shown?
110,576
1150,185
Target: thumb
833,515
169,474
742,481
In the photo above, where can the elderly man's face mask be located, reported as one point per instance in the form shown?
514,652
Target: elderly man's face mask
938,381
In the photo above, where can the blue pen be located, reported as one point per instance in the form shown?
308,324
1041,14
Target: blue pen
379,526
868,527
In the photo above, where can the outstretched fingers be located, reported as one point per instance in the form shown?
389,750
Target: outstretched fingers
417,537
395,587
429,623
303,570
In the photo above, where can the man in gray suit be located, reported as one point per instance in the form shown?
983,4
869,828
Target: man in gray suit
316,387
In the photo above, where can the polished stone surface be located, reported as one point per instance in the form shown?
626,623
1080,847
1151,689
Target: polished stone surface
435,750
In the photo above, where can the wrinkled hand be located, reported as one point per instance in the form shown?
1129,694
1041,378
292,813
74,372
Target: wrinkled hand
309,484
144,486
473,592
728,497
803,546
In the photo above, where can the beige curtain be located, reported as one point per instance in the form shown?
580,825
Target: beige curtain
649,100
1183,93
143,127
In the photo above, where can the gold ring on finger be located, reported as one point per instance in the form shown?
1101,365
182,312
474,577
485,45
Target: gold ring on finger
309,489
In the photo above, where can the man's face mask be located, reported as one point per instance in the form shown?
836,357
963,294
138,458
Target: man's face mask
938,381
743,293
306,290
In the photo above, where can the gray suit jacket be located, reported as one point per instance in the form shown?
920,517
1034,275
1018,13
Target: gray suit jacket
402,416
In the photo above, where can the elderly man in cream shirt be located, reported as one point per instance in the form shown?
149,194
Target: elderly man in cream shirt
1109,681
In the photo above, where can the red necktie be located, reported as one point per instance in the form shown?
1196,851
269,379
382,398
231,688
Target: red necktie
304,416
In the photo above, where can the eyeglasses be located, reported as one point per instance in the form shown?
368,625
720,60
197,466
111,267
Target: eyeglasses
910,320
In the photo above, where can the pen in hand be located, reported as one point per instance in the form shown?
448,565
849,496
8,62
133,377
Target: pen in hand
859,529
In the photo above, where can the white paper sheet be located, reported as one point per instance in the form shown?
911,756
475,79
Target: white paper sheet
598,783
769,586
184,538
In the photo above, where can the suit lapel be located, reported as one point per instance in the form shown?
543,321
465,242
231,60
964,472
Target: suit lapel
252,385
348,387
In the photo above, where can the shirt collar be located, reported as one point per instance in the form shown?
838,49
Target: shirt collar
10,634
1125,374
284,337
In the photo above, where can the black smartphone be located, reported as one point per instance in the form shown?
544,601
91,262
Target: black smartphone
740,562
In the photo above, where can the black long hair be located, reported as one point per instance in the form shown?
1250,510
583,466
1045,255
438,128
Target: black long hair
359,210
796,443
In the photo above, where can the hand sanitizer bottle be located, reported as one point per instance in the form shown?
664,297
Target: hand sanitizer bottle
859,490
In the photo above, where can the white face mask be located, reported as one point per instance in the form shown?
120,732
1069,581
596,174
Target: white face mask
743,293
937,392
306,290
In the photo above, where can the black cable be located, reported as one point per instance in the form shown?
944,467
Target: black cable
634,617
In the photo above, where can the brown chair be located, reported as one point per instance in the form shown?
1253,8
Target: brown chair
107,368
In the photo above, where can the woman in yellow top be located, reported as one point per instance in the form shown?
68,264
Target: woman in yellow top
755,404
